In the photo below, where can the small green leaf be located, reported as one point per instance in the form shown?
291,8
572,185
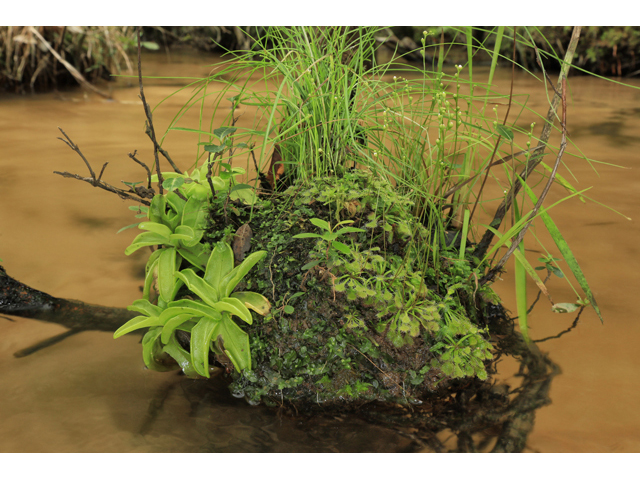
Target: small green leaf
201,336
140,208
310,264
505,131
214,148
150,45
146,307
240,186
173,323
173,183
564,307
341,247
135,323
288,309
256,302
181,356
320,224
155,227
307,235
128,226
220,264
222,132
199,286
229,282
146,239
193,307
235,307
168,264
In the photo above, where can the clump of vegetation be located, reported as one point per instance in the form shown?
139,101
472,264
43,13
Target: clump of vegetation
368,276
355,314
42,58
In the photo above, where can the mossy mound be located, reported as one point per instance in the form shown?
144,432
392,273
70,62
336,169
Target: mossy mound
380,315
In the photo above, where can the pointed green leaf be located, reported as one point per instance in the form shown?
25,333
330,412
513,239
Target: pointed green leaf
199,286
155,227
152,349
168,264
222,132
157,208
149,273
219,265
307,235
311,264
236,343
235,307
229,282
181,356
146,239
146,307
173,323
213,148
341,247
173,183
567,254
135,323
128,227
201,336
320,224
193,307
349,230
256,302
505,131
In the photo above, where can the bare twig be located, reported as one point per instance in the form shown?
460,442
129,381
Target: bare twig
150,131
98,182
76,149
132,156
483,245
516,241
102,171
147,111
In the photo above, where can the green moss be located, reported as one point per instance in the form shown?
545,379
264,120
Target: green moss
385,322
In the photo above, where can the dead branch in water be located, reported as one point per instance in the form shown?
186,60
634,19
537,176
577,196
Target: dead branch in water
20,300
137,195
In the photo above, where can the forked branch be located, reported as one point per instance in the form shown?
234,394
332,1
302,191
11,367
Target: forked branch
137,195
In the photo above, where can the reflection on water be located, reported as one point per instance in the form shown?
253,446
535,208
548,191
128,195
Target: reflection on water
91,393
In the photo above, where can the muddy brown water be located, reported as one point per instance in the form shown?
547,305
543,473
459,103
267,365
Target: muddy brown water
91,393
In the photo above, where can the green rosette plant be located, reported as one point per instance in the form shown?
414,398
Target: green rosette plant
175,223
207,318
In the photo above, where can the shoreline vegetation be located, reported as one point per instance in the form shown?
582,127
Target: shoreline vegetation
36,59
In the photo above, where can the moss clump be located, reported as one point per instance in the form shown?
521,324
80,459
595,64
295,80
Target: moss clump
384,314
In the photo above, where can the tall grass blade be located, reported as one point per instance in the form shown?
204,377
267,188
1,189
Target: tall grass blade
567,254
521,286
